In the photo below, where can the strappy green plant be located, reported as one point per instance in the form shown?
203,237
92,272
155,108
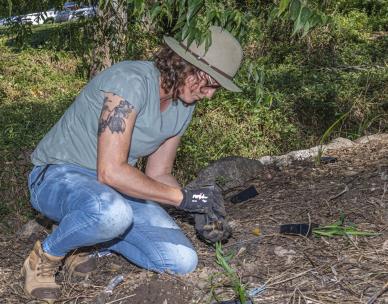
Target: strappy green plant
326,135
339,229
223,259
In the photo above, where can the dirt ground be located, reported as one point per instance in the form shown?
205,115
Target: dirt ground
290,269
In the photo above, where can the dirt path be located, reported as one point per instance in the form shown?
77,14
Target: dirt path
290,269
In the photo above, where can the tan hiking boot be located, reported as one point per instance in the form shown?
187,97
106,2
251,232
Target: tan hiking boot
39,271
80,264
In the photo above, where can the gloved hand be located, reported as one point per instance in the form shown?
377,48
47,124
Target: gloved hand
207,204
197,200
212,226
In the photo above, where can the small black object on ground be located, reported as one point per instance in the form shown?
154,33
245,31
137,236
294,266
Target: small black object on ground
328,160
303,229
244,195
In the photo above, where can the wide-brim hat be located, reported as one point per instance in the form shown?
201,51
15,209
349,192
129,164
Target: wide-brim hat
221,61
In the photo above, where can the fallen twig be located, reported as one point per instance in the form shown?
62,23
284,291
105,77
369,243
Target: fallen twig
378,294
123,298
339,194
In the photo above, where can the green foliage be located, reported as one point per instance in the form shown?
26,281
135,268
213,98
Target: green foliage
327,134
223,260
36,86
339,229
303,17
19,33
34,92
189,19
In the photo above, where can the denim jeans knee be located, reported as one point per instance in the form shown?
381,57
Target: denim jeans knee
186,261
115,215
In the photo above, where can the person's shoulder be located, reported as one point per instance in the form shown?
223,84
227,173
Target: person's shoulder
136,67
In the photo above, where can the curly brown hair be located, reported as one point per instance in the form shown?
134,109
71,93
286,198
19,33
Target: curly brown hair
173,70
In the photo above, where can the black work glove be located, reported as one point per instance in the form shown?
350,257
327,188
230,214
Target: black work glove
197,200
213,226
209,213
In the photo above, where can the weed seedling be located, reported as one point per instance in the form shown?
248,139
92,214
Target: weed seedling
223,260
339,229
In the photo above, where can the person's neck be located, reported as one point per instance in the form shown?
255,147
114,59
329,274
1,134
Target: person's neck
165,98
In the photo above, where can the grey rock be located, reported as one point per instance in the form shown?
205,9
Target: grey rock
228,172
368,138
339,143
30,228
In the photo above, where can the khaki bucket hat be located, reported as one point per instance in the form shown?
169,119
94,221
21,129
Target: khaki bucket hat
221,61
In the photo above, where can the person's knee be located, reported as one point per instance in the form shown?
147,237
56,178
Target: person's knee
115,215
186,261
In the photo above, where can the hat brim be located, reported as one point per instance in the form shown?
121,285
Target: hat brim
182,52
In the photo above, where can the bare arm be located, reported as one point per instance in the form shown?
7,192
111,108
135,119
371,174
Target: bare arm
116,125
160,163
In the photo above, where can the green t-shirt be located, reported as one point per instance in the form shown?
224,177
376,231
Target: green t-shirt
73,139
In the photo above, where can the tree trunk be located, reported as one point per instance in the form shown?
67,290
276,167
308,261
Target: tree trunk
110,36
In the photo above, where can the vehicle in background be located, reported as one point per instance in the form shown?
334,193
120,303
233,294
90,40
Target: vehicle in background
4,21
33,18
49,16
72,11
69,15
71,6
63,16
83,13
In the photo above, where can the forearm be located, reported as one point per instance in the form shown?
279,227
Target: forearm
167,179
132,182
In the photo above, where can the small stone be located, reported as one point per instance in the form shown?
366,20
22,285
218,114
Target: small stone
385,245
250,268
282,252
30,228
114,267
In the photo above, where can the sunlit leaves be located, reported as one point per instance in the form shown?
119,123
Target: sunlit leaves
283,6
190,19
303,16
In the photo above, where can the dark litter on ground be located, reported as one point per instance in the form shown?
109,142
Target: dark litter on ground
244,195
328,160
298,229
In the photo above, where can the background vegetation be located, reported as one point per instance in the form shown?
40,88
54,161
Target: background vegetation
304,67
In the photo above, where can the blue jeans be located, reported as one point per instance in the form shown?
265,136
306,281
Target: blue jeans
89,213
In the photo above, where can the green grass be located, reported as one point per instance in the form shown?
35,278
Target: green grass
36,86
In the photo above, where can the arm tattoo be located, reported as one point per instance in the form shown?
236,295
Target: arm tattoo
114,119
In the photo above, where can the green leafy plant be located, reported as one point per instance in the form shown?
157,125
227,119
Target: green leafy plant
304,17
327,133
223,259
339,229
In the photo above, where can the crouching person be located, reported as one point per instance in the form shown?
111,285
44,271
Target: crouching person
84,176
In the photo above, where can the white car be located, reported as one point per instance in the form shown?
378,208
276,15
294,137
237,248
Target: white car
38,18
85,12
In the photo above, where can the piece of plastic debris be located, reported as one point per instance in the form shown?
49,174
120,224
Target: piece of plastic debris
256,231
103,252
244,195
107,292
257,290
113,283
304,229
